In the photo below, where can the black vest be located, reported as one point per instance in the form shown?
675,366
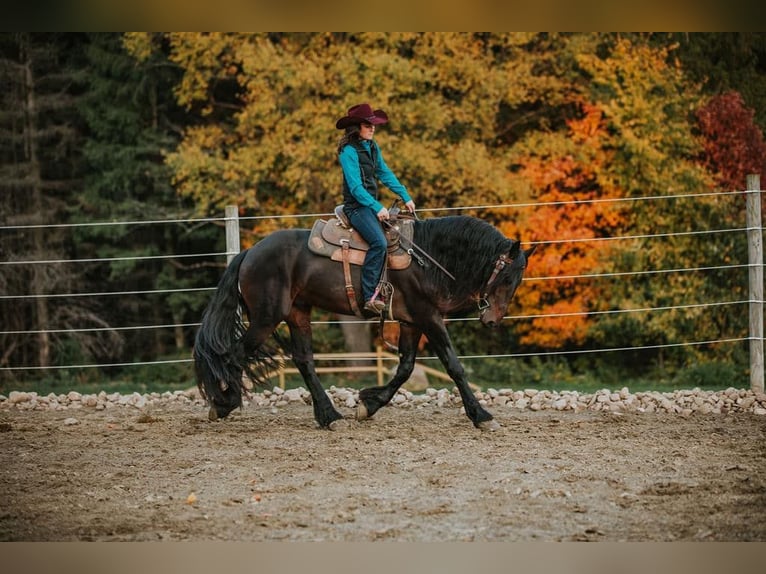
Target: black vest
367,169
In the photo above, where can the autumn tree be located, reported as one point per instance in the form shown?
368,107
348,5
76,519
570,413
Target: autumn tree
267,105
626,133
569,191
649,107
733,144
557,122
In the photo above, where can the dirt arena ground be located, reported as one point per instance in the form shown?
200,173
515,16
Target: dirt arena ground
409,474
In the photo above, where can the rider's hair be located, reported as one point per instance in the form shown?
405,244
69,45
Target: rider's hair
349,136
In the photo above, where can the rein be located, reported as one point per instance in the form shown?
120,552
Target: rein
413,246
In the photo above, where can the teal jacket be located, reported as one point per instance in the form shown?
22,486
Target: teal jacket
353,176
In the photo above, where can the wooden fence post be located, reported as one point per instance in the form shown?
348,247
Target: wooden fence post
755,261
232,232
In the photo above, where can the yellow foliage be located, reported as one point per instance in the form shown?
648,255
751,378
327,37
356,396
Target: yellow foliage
475,119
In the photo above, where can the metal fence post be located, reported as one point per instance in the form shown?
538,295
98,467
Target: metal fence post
755,261
232,232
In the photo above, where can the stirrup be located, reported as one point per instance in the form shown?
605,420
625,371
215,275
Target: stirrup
375,306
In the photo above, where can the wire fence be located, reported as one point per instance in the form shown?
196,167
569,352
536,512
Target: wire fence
736,305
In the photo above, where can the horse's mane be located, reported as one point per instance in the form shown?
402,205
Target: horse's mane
466,246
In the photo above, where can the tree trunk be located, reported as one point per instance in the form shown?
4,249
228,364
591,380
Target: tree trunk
357,336
42,315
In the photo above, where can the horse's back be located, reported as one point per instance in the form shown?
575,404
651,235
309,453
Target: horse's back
277,249
282,239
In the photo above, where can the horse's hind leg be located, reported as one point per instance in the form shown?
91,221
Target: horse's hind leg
373,398
299,322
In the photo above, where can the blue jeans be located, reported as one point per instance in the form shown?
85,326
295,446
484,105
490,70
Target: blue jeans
365,221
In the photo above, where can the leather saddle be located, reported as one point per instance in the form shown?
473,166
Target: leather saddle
330,238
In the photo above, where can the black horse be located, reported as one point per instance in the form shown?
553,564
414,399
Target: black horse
281,279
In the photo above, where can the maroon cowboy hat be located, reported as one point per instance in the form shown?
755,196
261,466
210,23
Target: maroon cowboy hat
362,113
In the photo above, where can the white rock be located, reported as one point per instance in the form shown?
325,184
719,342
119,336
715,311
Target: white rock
560,404
421,399
746,402
16,397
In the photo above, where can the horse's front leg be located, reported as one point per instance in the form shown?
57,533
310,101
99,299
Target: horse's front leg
372,399
299,322
439,339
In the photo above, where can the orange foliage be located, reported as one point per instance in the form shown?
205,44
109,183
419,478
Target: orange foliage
562,182
590,126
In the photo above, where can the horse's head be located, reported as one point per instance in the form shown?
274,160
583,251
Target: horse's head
502,284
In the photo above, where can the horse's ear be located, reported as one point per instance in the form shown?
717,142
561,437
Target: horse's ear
513,252
530,251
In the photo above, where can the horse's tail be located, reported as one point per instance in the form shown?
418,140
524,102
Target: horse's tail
219,355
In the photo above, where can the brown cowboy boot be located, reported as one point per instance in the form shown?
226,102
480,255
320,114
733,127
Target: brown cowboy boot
375,306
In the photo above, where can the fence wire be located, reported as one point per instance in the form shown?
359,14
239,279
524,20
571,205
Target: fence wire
475,208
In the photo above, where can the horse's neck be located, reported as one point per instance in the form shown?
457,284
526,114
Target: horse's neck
468,267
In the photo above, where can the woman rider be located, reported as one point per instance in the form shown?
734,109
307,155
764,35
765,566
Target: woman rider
362,163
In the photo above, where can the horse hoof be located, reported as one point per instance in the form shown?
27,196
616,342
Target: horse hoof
338,424
490,425
361,412
212,414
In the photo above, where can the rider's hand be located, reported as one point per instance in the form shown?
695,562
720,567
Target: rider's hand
383,214
410,205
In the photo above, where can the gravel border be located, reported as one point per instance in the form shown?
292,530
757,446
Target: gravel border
683,402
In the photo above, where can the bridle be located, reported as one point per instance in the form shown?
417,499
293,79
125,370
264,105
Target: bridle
483,301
